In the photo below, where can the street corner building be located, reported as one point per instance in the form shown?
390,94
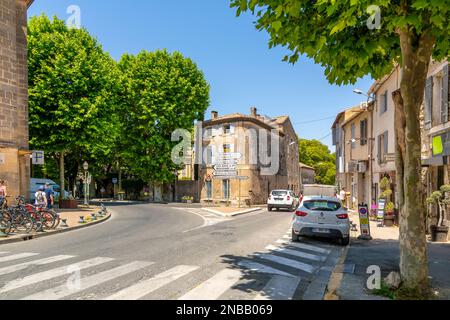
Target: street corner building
243,139
14,150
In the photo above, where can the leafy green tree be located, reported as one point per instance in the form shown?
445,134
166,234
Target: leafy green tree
72,93
162,92
317,155
346,38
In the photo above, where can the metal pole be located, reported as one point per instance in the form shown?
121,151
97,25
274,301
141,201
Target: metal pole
85,188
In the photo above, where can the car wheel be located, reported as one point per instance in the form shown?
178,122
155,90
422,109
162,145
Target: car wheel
269,208
345,241
295,237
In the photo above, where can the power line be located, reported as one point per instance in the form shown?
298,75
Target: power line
325,136
317,120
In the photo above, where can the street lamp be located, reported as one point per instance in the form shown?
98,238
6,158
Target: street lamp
85,167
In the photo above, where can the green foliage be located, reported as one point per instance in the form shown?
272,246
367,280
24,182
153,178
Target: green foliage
334,33
317,155
72,91
162,92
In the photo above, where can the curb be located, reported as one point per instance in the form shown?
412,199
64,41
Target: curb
26,237
336,276
234,214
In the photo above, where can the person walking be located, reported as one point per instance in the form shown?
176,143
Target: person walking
40,198
343,196
50,196
3,194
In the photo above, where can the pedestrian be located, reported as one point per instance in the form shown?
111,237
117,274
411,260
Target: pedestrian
40,198
50,196
3,194
343,196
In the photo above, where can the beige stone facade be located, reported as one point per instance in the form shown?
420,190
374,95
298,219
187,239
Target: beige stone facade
245,135
14,154
352,136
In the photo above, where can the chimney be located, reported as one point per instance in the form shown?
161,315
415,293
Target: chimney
214,115
253,112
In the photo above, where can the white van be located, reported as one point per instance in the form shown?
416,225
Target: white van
35,184
318,190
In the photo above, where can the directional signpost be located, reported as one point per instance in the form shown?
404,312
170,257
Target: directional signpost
226,169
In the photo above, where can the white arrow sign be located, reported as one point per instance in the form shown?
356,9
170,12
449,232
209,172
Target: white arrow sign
230,155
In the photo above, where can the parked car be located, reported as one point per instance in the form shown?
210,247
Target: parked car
319,216
282,199
36,183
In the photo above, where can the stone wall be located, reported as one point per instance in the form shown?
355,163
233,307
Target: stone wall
14,97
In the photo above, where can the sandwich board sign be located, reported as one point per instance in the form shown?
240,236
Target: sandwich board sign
380,211
364,222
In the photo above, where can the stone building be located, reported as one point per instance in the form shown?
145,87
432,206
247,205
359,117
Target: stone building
354,147
245,136
14,153
307,174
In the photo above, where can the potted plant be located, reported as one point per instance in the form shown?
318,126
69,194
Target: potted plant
439,231
68,203
187,199
389,209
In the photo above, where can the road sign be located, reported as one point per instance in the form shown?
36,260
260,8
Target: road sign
226,173
114,180
230,155
364,222
37,157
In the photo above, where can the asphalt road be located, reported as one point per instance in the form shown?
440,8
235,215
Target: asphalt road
150,251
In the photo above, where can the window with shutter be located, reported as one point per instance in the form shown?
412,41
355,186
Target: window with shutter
386,143
363,134
444,95
379,149
428,102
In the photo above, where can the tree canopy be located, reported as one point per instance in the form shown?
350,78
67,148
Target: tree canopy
317,155
335,33
162,92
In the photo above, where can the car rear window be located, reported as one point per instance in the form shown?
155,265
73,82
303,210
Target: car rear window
279,193
322,205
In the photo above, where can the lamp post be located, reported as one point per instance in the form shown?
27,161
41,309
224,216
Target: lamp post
85,167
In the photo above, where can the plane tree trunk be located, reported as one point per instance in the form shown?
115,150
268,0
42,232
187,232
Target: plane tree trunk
416,55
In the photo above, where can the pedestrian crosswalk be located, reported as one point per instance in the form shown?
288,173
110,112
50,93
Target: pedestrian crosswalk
280,269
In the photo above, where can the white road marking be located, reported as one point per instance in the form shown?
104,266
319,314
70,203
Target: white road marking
18,256
296,253
262,268
145,287
279,288
21,266
4,252
214,287
287,262
88,282
304,246
53,273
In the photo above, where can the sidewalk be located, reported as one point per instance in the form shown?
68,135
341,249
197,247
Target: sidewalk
383,251
72,216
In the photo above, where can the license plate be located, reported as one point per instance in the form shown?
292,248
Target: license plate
278,199
321,230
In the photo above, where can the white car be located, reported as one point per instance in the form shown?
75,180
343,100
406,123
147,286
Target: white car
282,199
324,217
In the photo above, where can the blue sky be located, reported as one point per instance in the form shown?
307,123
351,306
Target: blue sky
234,56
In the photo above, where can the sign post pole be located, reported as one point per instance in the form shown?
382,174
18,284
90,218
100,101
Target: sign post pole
364,222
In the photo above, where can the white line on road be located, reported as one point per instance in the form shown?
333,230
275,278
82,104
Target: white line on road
21,266
53,273
287,262
145,287
214,287
18,256
296,253
88,282
279,288
304,246
262,268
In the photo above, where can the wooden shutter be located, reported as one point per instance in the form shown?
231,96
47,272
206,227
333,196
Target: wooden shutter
379,149
386,143
444,96
428,102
